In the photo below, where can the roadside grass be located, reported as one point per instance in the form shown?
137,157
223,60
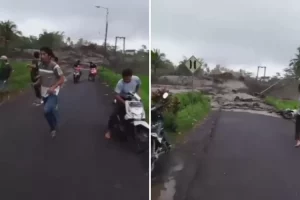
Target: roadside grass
20,77
193,107
280,104
112,78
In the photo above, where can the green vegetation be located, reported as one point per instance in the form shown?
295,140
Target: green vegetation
193,107
160,65
281,104
183,110
20,78
112,79
12,40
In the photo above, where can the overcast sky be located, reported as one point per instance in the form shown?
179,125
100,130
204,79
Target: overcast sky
81,18
233,33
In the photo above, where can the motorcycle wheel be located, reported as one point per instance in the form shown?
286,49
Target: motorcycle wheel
141,139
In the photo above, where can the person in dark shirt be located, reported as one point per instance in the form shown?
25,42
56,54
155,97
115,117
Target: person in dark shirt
92,65
77,63
35,78
297,133
5,73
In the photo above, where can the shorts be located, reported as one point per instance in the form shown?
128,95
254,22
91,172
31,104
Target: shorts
3,86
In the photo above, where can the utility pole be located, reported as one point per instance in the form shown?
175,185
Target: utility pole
261,67
116,43
106,26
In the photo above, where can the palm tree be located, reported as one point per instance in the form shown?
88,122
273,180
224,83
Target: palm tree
157,59
68,41
8,32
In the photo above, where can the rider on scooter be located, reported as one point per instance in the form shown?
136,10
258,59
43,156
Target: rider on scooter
128,83
77,66
92,65
77,63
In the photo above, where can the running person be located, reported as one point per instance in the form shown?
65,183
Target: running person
34,74
51,79
128,83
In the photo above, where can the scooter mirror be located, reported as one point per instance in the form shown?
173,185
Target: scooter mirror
165,95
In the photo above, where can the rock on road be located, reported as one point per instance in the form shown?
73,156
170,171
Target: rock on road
79,164
249,157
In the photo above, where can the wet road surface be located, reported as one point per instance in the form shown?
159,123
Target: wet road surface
249,157
79,164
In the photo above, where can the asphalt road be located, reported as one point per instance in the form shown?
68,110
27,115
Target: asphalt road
79,164
249,157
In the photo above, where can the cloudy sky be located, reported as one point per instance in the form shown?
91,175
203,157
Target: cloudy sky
233,33
81,19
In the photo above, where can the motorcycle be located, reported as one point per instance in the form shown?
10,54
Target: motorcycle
76,74
159,142
92,74
289,113
133,125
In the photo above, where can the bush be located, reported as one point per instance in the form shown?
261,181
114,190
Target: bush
193,113
20,77
182,110
281,104
112,78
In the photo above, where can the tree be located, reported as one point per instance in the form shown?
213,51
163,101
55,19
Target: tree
143,48
79,42
157,59
294,67
69,41
51,39
8,32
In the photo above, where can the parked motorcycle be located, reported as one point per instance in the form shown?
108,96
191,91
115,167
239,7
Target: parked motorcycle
159,142
76,75
133,125
92,74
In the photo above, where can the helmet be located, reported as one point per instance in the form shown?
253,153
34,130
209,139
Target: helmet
3,57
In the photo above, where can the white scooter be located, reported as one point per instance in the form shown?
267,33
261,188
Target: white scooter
134,122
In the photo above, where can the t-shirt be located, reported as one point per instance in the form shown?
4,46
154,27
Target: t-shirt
123,88
5,71
93,66
34,71
50,74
